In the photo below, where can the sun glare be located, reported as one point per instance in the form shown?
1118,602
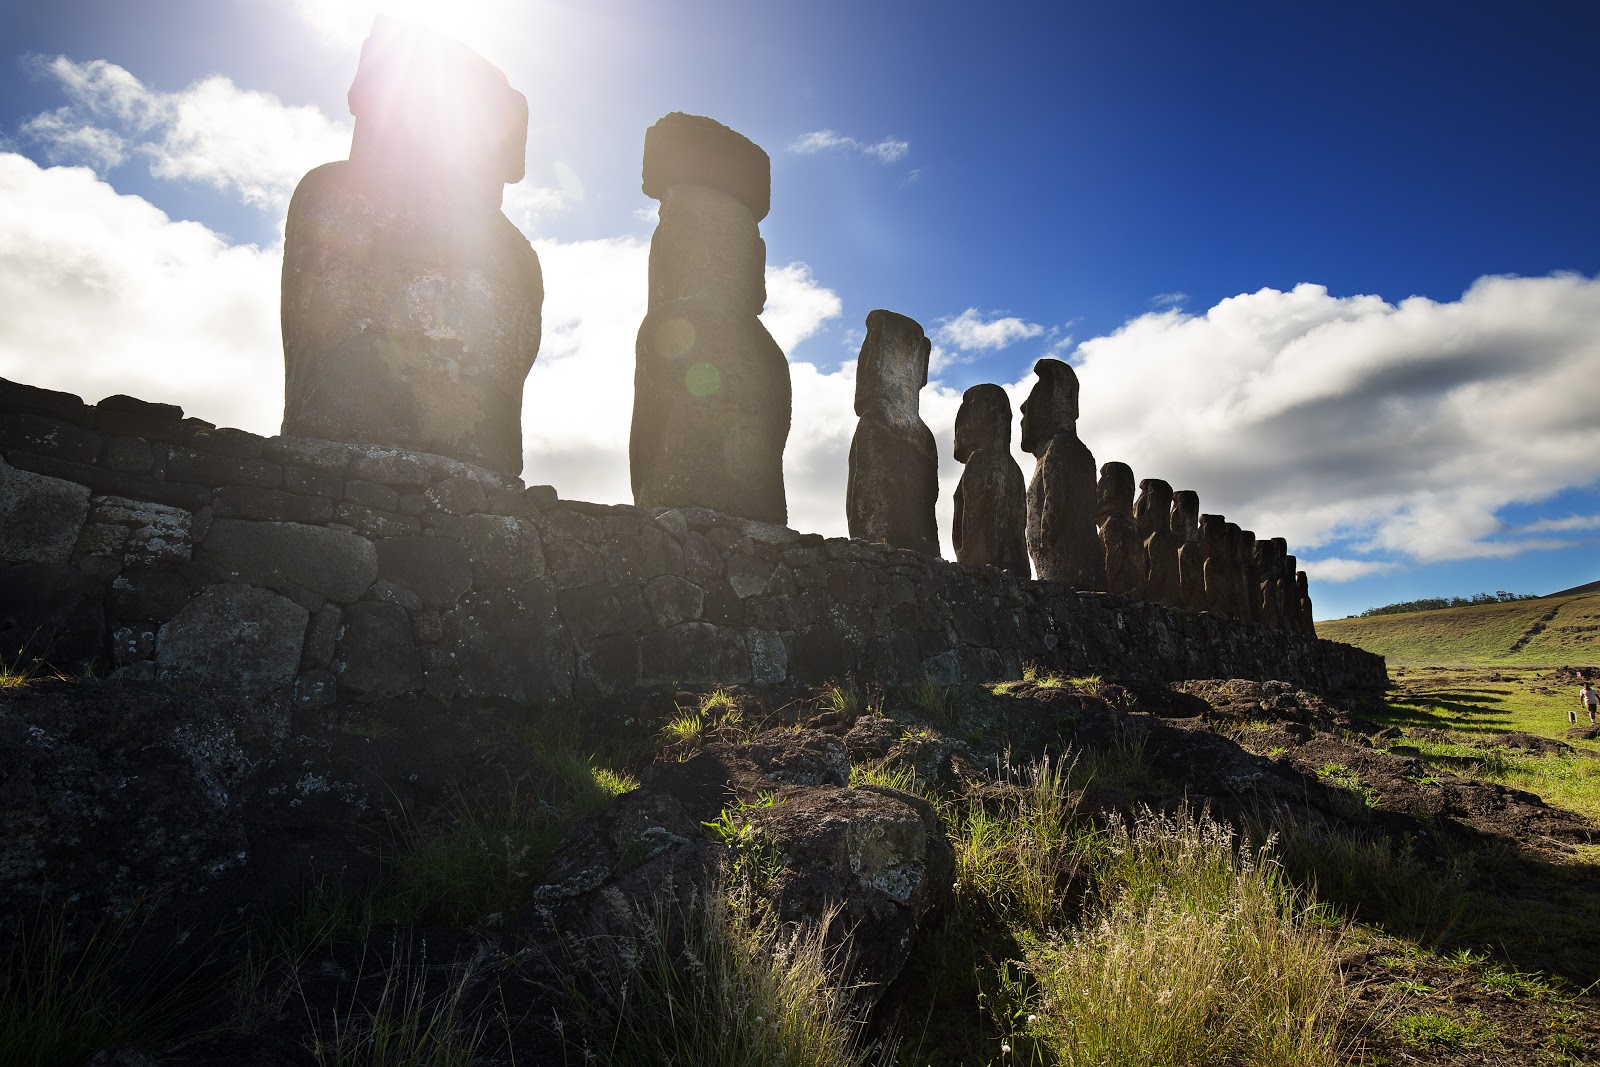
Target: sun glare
481,25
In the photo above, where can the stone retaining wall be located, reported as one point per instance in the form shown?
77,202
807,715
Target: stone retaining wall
154,546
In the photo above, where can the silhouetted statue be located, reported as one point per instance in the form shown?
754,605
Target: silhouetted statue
1224,567
1308,625
1152,513
1244,572
894,464
990,524
411,305
711,399
1061,495
1191,554
1119,535
1268,588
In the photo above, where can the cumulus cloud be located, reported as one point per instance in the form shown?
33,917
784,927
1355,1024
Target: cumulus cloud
213,132
1400,430
236,140
969,331
888,150
1339,569
119,298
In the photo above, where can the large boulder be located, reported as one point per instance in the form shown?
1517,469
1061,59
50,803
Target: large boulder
233,637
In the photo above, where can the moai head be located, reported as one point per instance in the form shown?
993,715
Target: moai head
1280,552
1186,515
1302,586
983,421
1052,406
1286,568
1241,540
1261,556
1114,494
1153,510
893,367
694,150
433,114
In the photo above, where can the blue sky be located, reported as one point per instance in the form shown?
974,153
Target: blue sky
1337,268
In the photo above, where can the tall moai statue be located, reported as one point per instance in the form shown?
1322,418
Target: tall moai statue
1119,534
1191,554
1152,513
411,304
711,394
1224,577
1268,588
1061,494
894,464
1244,569
990,524
1307,620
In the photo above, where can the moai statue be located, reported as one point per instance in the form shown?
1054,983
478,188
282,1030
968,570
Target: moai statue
1191,554
990,525
1244,573
411,305
1119,535
894,464
1308,625
711,399
1152,512
1224,569
1283,577
1268,588
1061,495
1291,592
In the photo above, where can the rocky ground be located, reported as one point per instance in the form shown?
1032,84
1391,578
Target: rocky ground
210,819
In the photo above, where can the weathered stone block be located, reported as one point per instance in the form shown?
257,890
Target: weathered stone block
459,496
571,564
375,524
695,653
609,665
156,594
234,637
49,437
769,658
203,468
376,656
159,534
509,548
436,569
510,643
271,504
371,495
40,516
322,636
30,399
337,565
672,600
130,454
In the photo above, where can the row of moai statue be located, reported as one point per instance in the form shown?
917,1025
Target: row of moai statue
412,316
1087,531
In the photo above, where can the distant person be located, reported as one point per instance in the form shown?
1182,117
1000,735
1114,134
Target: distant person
1591,702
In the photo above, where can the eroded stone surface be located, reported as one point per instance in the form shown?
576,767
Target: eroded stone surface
1119,535
894,464
1152,512
40,516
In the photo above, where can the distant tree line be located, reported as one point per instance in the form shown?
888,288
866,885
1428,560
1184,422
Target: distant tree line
1431,603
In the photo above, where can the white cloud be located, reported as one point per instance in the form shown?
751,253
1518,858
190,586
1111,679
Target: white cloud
119,298
1338,569
1403,429
212,132
796,305
888,150
1572,523
969,331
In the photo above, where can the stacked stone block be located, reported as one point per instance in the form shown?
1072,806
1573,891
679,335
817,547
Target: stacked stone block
293,565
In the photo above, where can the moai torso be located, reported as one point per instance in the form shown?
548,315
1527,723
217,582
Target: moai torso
894,465
1119,535
1245,593
711,398
411,305
1152,513
1061,495
1268,589
990,522
1191,555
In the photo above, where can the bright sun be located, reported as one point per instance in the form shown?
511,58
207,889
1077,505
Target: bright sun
481,25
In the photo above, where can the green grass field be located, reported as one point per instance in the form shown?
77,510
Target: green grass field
1552,631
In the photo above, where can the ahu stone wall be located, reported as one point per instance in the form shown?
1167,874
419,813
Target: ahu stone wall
151,546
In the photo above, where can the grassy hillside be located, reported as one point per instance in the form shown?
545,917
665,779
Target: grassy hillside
1552,631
